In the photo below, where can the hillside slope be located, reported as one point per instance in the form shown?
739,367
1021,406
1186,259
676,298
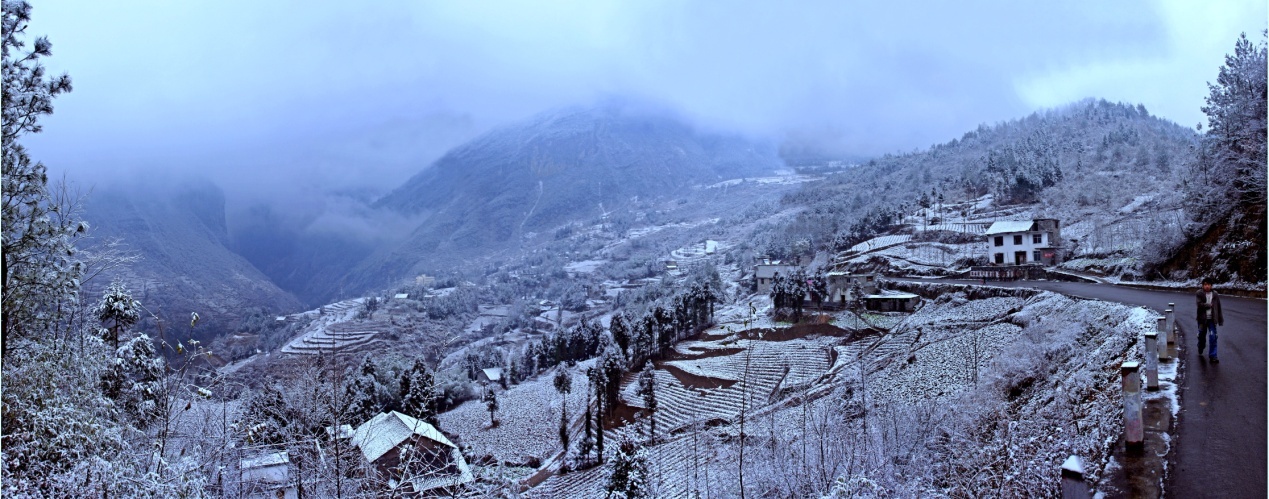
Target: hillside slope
1111,172
507,186
185,264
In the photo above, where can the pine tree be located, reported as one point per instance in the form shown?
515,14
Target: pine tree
629,474
491,403
418,392
647,390
588,439
620,332
40,273
563,384
118,309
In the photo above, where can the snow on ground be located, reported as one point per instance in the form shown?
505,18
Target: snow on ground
584,266
1047,378
528,415
643,231
880,242
925,256
966,227
779,180
1136,203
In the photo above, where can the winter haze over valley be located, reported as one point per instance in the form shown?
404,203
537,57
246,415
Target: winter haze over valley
632,249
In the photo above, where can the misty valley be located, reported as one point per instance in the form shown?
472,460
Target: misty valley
617,299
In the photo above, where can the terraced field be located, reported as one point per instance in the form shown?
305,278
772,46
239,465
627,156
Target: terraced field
334,330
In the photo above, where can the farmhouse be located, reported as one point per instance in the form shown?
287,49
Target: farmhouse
489,375
840,285
892,301
764,273
412,455
1021,242
267,475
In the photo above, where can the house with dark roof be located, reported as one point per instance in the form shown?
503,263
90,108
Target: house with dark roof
411,455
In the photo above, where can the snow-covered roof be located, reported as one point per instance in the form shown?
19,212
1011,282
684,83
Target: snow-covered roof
902,296
271,459
769,270
493,373
271,467
401,296
1007,226
387,430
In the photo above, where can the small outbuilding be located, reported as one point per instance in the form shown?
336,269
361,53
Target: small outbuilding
490,375
267,475
412,455
892,301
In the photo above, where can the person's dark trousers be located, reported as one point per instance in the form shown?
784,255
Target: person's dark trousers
1207,330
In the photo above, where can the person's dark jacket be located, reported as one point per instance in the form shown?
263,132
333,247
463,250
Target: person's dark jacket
1201,298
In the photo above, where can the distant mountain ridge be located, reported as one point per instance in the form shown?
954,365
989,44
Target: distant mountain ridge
555,168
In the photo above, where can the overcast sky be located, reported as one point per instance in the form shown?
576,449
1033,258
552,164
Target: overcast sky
361,95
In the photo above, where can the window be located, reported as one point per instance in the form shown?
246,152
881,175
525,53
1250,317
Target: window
1000,240
1035,256
1000,257
1017,240
1037,238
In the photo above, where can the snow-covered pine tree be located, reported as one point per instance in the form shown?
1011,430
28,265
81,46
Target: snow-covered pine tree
418,392
41,275
118,309
1226,188
629,475
491,403
564,385
647,390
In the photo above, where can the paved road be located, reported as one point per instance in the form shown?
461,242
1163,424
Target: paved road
1220,448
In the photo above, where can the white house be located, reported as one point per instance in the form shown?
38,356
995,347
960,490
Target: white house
1018,242
764,273
841,283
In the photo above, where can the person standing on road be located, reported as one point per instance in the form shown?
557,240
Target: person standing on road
1209,316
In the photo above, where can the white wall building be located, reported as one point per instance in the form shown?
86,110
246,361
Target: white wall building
1019,242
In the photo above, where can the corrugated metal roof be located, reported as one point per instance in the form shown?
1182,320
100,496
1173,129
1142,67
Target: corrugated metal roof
387,430
1007,226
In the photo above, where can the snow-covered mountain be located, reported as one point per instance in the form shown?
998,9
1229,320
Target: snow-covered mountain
503,188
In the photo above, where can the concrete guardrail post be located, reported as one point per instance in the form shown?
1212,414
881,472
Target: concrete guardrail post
1152,361
1134,428
1073,484
1171,314
1161,324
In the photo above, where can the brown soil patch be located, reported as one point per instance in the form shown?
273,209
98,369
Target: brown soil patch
803,330
697,353
697,381
622,415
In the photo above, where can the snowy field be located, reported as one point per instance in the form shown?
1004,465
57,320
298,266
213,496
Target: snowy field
528,415
1015,384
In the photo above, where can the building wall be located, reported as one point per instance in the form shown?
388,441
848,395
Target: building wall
1048,255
